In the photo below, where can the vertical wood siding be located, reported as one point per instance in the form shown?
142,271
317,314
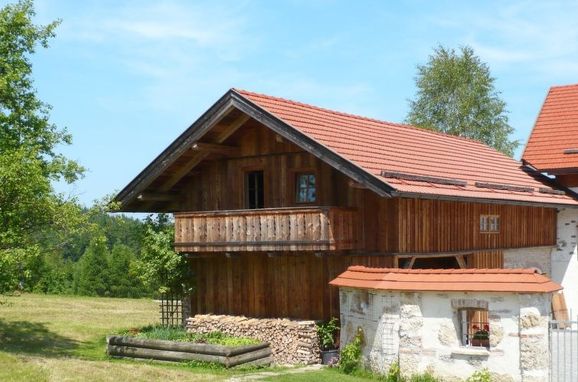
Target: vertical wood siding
443,226
285,285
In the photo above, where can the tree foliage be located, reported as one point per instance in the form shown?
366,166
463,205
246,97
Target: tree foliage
160,267
29,160
456,95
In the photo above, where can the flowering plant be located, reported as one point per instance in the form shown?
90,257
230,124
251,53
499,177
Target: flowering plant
481,333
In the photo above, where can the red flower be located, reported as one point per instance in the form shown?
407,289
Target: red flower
476,327
487,327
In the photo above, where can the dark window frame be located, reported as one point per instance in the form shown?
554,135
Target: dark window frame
255,189
308,187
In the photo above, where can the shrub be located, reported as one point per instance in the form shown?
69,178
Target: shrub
425,377
480,376
350,356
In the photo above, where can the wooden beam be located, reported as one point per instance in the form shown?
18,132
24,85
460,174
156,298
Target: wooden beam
215,148
406,255
232,128
184,170
155,197
461,261
410,263
357,185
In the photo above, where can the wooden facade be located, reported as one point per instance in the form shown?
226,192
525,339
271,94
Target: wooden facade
291,284
276,261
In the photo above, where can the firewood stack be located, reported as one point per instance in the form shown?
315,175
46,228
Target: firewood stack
292,342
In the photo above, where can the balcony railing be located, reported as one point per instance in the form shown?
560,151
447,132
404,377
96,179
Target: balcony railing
268,229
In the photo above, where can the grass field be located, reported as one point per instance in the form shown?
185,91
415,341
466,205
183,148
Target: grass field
62,338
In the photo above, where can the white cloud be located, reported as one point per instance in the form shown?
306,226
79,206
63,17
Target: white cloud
539,35
170,46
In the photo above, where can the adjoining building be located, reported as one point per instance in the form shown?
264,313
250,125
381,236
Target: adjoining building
552,149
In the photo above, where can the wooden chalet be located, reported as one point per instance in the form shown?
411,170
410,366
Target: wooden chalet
273,198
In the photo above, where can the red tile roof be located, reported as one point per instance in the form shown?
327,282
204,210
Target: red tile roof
376,146
555,131
448,280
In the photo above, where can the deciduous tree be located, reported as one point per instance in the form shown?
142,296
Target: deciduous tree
29,157
456,95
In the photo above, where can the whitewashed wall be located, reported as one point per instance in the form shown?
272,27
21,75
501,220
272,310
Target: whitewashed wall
563,257
420,331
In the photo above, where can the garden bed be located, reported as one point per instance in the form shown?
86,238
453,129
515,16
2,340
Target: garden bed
178,346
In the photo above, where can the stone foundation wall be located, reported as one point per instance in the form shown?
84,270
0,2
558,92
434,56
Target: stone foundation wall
292,342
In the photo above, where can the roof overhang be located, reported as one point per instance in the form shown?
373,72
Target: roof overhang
233,100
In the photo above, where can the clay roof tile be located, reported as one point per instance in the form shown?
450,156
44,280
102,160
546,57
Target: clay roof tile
384,148
462,280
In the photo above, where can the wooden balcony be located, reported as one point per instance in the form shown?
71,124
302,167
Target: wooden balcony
278,229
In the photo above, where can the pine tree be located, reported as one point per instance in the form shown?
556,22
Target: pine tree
92,270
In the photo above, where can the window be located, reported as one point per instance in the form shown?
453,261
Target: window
255,189
306,190
490,223
474,327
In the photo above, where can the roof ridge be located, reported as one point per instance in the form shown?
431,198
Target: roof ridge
361,117
362,268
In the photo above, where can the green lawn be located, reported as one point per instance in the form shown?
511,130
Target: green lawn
62,338
325,375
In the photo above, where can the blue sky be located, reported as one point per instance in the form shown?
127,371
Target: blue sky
126,77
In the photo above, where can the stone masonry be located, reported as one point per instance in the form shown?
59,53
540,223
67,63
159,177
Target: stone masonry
421,331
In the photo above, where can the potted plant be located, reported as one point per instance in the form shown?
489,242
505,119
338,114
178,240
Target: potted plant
328,341
481,336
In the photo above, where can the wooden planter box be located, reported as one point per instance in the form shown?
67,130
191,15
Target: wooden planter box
123,346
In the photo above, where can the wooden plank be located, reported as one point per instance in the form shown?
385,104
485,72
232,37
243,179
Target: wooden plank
461,261
559,309
215,148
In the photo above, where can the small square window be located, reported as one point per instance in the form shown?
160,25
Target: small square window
306,188
490,223
474,327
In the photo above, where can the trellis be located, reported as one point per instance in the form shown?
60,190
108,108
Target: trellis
171,310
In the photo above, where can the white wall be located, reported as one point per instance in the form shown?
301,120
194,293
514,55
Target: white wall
563,258
537,257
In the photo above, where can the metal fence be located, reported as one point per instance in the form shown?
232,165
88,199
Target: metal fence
171,310
563,335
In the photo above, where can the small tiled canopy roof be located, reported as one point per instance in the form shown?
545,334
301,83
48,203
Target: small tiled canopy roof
553,144
448,280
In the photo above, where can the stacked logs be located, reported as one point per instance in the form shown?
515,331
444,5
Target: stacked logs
292,342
